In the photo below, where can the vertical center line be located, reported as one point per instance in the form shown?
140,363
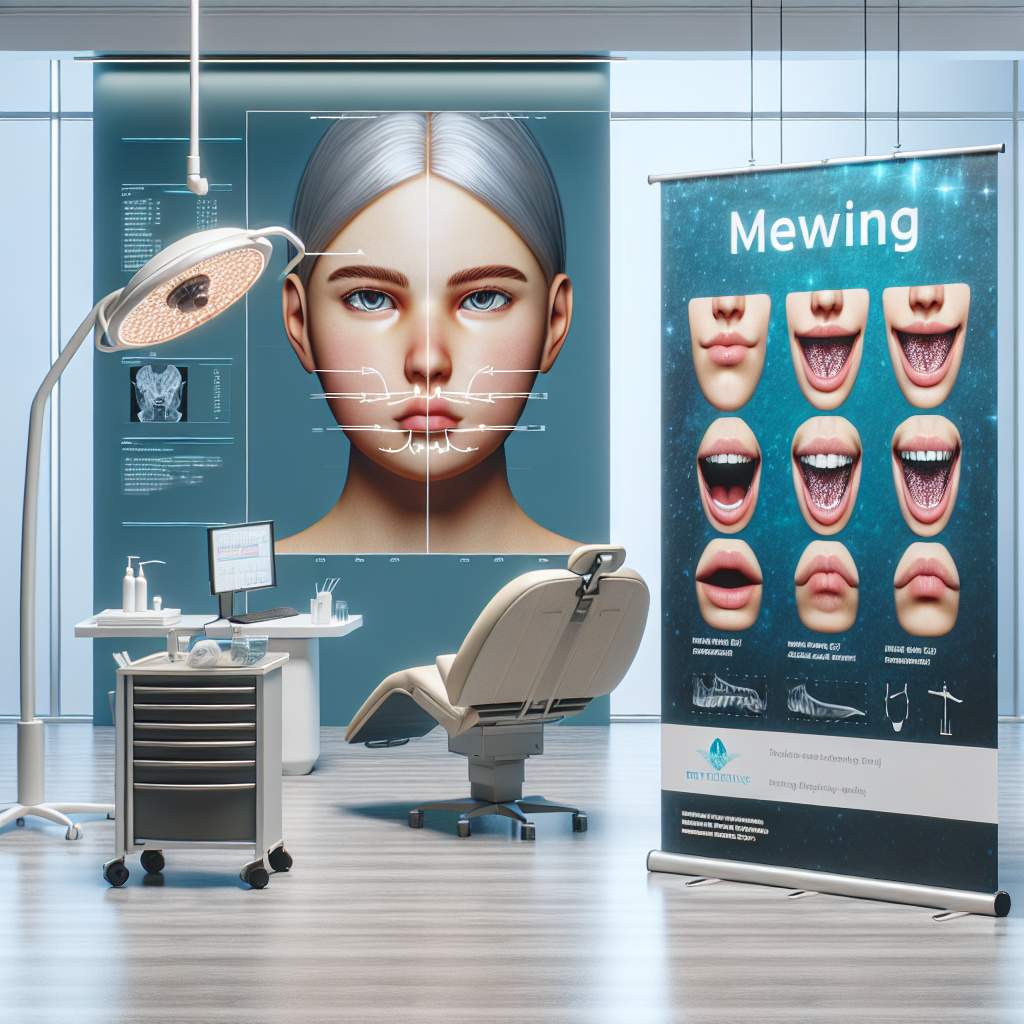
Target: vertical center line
426,313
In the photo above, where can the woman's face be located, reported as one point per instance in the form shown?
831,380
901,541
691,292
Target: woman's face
826,459
729,473
827,587
427,325
926,326
927,590
826,341
728,335
926,471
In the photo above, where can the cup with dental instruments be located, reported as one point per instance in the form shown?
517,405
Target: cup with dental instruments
321,604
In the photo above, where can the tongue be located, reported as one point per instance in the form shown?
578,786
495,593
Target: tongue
826,486
826,358
926,352
728,495
927,482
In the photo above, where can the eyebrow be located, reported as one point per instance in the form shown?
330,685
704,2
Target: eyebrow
479,273
395,277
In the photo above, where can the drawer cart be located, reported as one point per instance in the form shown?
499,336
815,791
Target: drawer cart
198,764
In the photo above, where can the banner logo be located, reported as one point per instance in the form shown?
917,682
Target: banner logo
717,757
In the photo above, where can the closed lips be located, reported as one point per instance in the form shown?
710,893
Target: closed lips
727,348
927,579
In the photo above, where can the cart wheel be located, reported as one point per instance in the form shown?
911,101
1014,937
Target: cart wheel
152,861
20,822
73,832
280,859
415,819
528,831
255,875
579,822
115,872
463,828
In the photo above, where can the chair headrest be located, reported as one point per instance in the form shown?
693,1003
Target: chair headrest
596,558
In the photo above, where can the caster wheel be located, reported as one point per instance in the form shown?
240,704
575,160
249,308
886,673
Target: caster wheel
115,873
463,828
256,876
20,822
152,861
528,832
73,832
415,819
579,822
280,859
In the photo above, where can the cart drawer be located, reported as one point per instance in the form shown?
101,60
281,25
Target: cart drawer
201,696
197,731
193,750
223,813
199,713
183,772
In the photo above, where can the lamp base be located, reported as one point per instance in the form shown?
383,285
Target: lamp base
57,813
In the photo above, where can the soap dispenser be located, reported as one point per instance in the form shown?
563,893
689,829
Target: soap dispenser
141,587
128,587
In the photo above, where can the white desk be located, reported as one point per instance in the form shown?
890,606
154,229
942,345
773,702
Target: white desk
295,636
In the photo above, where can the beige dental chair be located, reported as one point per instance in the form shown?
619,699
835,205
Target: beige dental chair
542,649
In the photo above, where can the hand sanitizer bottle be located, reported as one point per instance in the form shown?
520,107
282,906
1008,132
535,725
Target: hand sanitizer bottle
141,586
128,587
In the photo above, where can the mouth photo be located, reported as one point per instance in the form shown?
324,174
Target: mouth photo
827,587
729,585
826,338
423,415
729,473
927,590
826,458
926,454
926,328
728,348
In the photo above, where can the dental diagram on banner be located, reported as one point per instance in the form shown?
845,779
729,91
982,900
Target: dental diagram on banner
829,358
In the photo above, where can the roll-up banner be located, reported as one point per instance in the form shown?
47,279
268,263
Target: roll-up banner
829,365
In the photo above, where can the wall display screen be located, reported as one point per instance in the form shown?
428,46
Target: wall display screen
829,518
419,407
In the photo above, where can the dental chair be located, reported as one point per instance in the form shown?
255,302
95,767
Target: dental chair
543,648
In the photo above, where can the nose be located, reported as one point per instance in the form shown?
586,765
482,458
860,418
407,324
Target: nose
826,304
728,309
428,361
927,300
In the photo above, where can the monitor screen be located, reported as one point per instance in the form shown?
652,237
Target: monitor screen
242,557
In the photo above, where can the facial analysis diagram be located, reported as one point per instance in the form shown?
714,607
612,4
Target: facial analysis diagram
159,391
926,471
926,589
729,336
826,458
926,327
729,473
428,329
826,342
827,587
729,585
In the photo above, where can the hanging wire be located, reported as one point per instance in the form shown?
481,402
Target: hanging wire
780,158
865,77
751,82
899,144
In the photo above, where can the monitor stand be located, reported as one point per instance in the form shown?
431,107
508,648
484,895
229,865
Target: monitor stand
227,604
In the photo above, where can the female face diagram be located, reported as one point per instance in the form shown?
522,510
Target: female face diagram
428,323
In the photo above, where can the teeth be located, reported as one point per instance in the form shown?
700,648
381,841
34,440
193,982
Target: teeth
728,508
731,459
926,456
833,460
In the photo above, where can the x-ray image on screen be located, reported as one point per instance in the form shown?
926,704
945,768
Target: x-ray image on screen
158,393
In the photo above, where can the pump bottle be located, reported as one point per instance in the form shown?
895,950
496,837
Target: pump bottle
142,587
128,587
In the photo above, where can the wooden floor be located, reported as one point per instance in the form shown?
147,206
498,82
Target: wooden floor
377,922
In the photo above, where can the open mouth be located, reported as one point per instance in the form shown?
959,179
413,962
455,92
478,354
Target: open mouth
826,352
729,580
827,467
927,467
728,479
925,349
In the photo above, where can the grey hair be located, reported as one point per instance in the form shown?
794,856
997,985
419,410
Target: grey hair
494,158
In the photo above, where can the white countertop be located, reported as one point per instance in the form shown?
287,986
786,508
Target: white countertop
186,624
295,627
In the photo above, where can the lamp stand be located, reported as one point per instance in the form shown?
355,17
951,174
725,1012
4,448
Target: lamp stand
31,750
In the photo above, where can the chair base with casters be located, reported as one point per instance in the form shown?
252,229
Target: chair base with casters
497,762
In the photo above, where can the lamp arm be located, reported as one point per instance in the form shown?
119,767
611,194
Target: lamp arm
197,184
30,509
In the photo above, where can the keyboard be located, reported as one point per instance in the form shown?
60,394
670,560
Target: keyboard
248,618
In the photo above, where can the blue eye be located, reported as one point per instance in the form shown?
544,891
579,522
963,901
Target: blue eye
368,300
484,301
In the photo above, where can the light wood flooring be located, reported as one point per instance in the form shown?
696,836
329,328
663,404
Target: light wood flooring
377,922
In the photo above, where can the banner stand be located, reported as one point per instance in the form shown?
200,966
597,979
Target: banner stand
956,901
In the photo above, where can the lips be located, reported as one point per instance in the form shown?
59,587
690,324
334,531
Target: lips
927,579
727,348
826,353
926,467
729,474
427,416
729,579
925,348
828,580
826,468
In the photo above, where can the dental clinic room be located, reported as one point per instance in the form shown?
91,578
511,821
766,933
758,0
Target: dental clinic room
513,512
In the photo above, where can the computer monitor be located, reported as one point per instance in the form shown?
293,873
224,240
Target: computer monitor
241,558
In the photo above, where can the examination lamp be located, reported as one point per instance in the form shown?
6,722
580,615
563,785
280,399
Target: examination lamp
182,287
